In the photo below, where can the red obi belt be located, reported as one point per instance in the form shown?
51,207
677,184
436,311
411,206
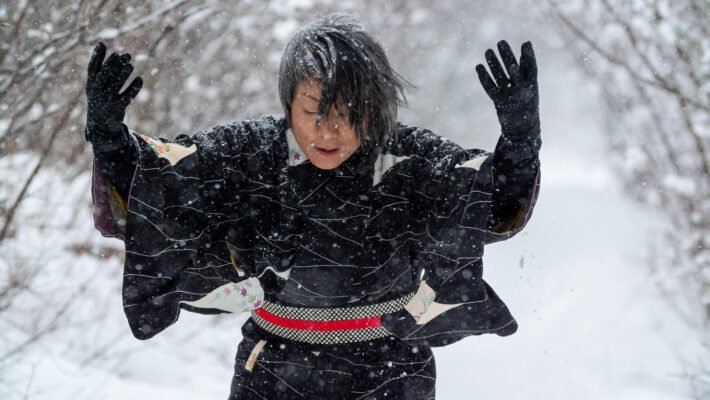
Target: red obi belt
327,325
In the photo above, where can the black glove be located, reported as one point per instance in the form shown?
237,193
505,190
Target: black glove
106,106
515,95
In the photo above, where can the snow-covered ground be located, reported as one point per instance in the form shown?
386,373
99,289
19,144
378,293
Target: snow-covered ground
592,326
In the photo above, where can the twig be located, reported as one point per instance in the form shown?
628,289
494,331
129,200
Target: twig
29,382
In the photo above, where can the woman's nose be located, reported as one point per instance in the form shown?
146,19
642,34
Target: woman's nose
332,124
329,132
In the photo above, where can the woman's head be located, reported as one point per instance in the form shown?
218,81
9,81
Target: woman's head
351,89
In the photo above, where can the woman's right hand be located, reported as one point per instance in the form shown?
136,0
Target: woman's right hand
106,106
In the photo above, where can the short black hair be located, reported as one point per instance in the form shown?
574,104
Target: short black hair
352,69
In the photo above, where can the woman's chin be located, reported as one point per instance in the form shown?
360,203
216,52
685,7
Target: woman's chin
327,164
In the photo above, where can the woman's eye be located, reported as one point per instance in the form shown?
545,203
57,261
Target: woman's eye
311,112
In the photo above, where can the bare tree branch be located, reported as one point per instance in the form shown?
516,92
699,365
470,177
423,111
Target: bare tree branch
43,156
616,61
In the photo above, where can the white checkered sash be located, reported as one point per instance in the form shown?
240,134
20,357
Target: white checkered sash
333,325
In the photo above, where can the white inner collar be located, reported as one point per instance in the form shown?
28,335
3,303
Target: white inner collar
296,155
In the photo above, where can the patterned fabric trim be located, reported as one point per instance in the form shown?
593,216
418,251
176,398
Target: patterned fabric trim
323,326
172,152
337,313
249,366
326,325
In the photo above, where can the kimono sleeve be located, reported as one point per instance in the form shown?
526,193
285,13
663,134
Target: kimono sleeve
514,171
453,193
171,223
503,185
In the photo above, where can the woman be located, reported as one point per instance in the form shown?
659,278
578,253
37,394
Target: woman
352,268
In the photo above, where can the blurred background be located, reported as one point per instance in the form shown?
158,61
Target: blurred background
610,281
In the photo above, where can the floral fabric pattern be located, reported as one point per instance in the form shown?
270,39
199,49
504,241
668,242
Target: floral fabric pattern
233,297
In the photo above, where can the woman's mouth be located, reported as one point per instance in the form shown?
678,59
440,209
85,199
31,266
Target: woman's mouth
327,151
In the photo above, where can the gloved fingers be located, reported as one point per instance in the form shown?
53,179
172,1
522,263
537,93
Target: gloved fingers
122,73
486,81
109,70
496,69
511,64
528,65
132,90
97,58
514,72
112,62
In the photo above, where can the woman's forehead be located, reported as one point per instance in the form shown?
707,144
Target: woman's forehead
311,90
308,89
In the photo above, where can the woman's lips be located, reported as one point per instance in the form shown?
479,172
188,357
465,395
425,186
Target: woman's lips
327,152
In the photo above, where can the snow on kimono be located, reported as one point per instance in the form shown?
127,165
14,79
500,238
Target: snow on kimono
228,218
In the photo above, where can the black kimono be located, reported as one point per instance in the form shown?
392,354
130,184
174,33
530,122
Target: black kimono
350,274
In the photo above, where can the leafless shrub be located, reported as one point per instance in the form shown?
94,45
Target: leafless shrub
651,59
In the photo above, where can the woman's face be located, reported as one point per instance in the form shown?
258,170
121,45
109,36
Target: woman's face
327,142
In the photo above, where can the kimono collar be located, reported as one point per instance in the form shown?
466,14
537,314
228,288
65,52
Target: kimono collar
296,156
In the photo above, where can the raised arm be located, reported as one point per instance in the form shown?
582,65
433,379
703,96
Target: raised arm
161,198
466,199
114,152
515,165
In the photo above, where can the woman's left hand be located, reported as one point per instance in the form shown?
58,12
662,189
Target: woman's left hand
514,94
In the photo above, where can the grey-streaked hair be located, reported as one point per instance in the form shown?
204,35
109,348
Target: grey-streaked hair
352,69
